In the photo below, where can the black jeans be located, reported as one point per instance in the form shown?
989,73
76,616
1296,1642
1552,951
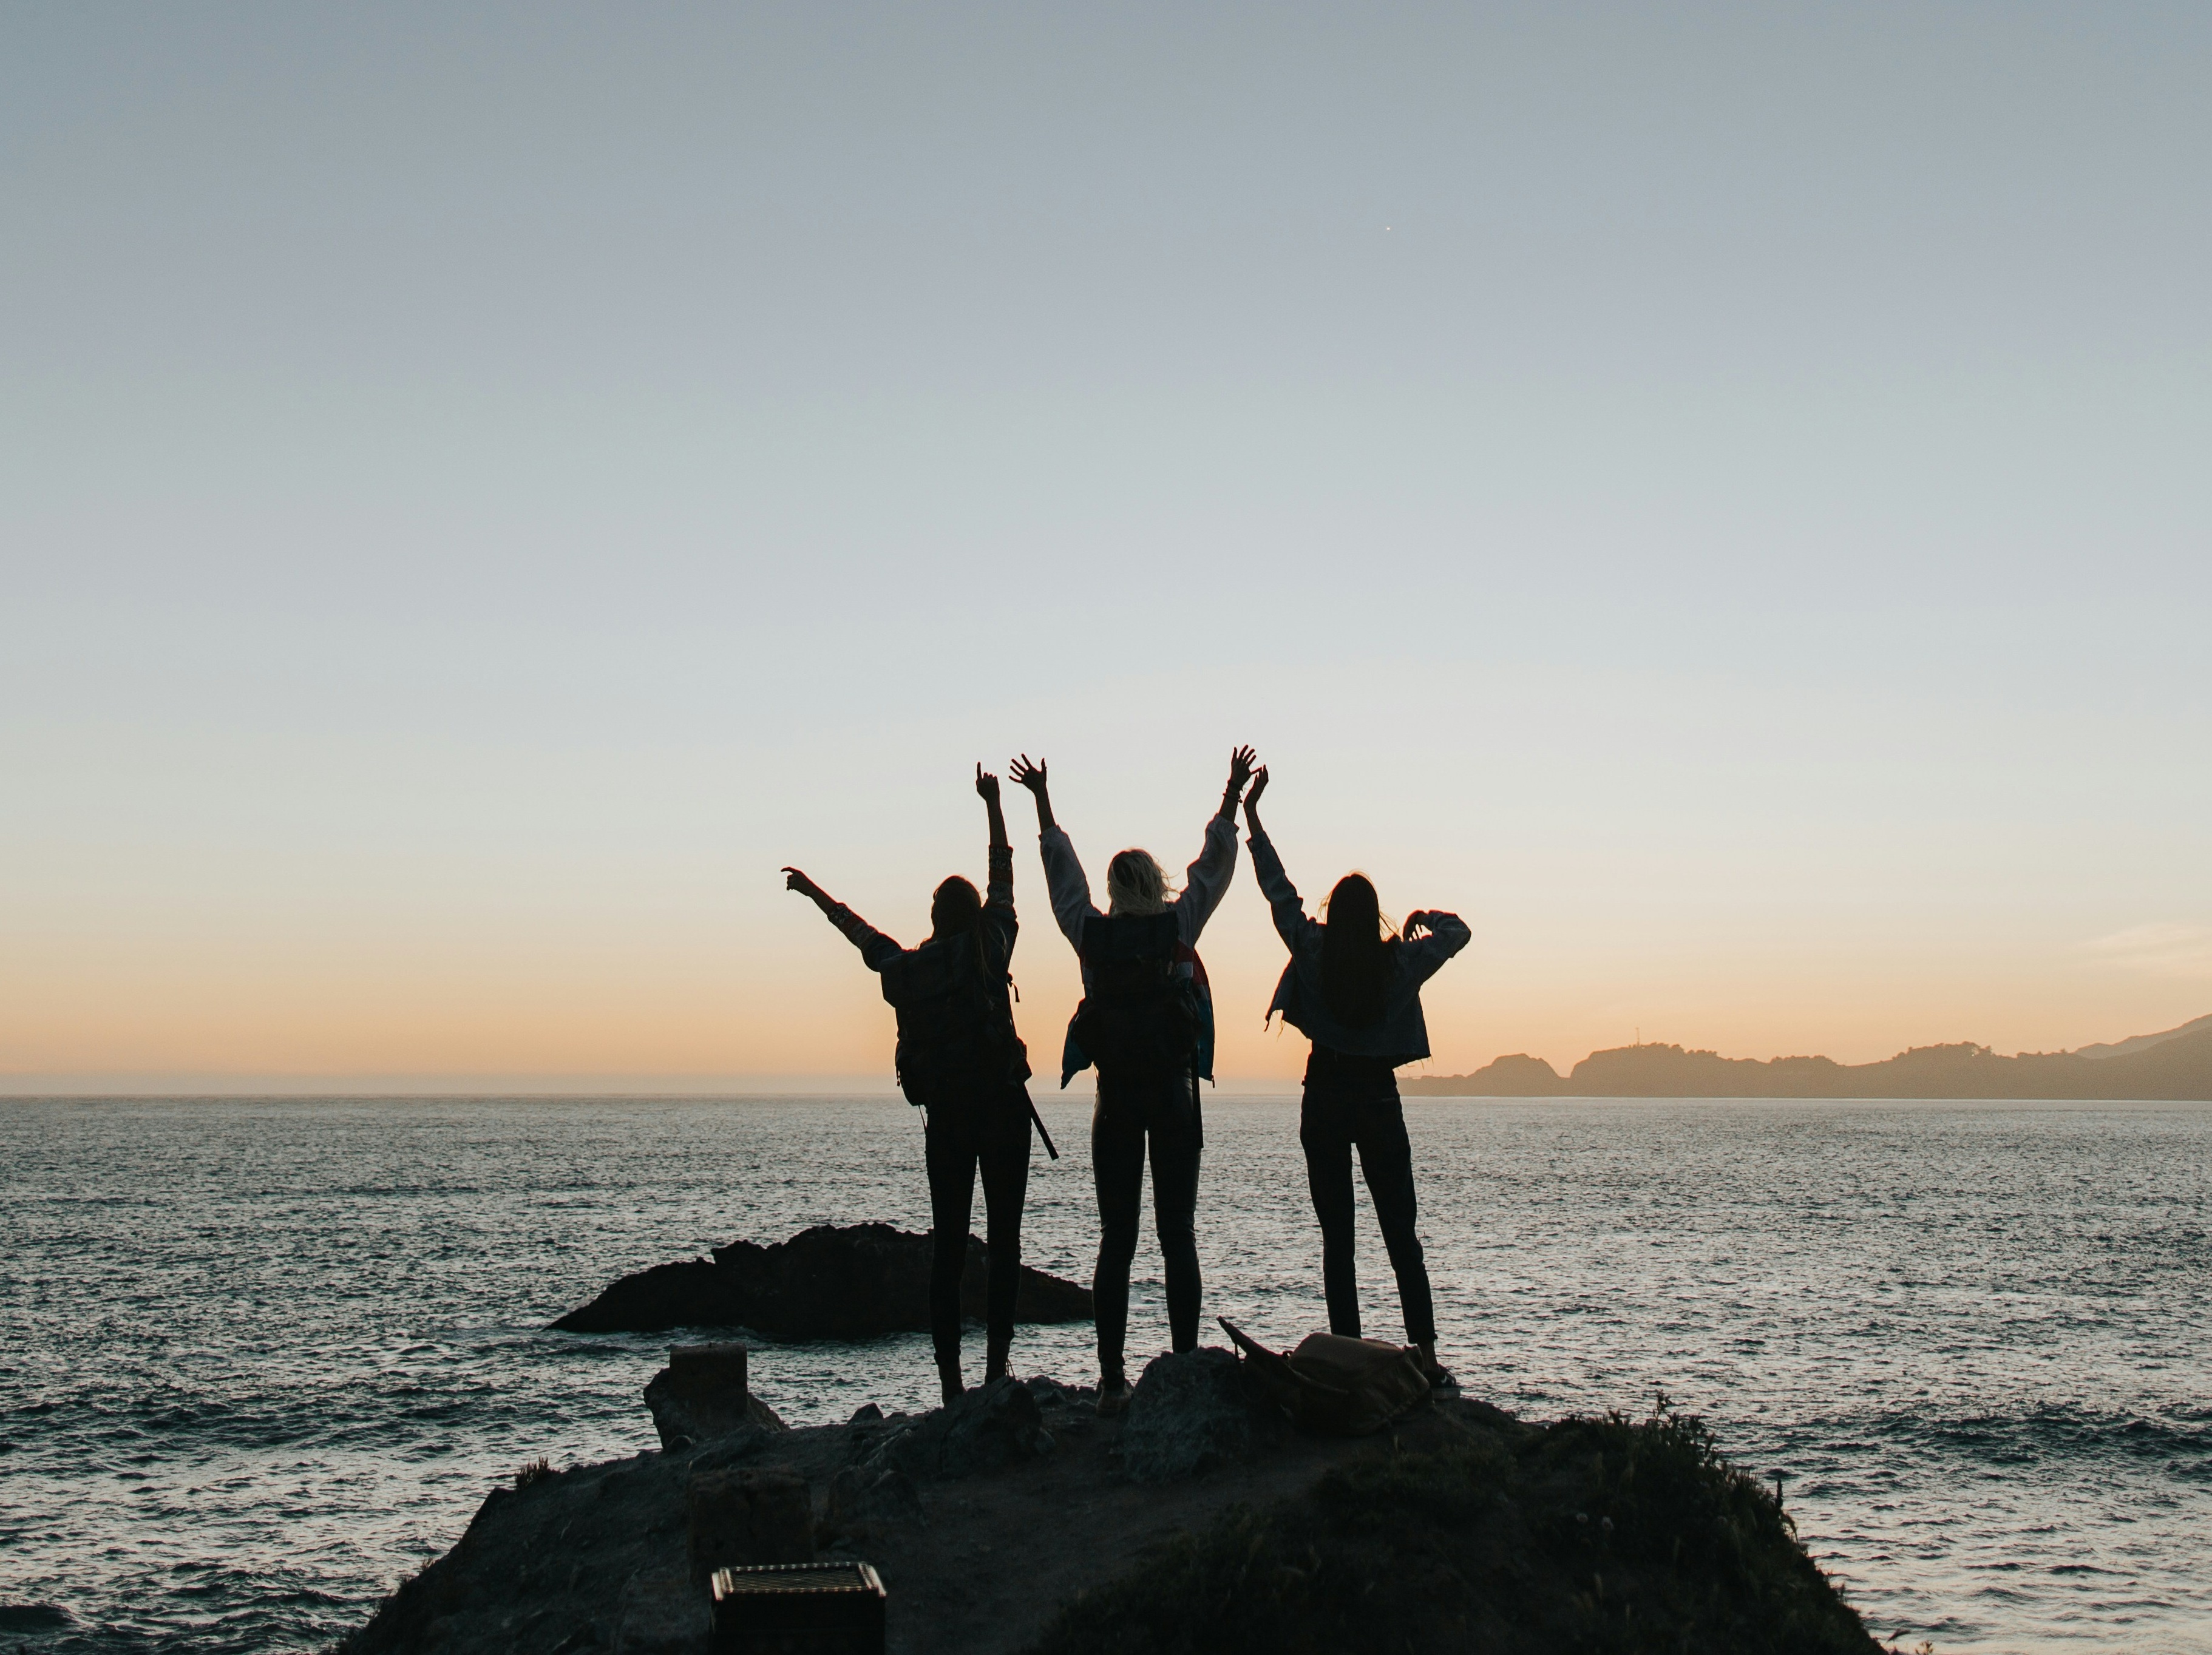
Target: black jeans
1130,1115
990,1129
1337,1114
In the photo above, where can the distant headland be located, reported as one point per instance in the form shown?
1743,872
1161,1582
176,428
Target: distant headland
2174,1064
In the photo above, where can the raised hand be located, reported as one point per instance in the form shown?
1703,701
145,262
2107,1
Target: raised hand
796,881
1031,776
1240,771
1252,803
1240,768
987,785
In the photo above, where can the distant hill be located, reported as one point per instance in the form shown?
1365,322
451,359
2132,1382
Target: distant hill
2175,1065
2144,1042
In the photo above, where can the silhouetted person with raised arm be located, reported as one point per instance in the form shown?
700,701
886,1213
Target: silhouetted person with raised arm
1353,988
1146,1021
960,1061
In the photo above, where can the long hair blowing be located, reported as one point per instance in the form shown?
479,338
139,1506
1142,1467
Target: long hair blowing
1355,953
1135,883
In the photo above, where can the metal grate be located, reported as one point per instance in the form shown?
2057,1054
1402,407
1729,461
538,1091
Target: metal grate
799,1608
784,1578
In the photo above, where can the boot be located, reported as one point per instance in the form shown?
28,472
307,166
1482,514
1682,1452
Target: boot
1439,1377
996,1365
948,1379
1114,1394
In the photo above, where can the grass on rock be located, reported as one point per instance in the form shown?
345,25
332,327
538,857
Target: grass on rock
1588,1535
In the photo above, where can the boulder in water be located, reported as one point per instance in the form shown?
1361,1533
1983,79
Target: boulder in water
833,1281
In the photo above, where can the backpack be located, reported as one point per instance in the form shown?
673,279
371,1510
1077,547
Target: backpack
1338,1386
956,1029
1139,1018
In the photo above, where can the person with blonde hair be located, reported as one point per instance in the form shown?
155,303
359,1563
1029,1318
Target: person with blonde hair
1353,988
1146,1023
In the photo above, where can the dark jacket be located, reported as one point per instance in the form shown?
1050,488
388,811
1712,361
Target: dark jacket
1401,1035
996,933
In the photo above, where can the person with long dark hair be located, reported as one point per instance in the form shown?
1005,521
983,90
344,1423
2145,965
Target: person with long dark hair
1353,988
1146,1021
960,1061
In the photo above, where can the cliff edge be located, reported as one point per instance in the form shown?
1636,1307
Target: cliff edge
1020,1520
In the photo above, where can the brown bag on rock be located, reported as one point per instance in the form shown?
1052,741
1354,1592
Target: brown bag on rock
1338,1386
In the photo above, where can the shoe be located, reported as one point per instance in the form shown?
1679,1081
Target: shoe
948,1382
997,1363
1113,1398
1438,1376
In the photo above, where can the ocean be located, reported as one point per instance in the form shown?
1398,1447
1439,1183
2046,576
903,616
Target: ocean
260,1360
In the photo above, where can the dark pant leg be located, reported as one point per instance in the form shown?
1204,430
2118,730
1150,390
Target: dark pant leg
1117,1166
950,1154
1323,1133
1386,1159
1005,1161
1175,1146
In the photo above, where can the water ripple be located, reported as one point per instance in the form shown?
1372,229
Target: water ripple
260,1360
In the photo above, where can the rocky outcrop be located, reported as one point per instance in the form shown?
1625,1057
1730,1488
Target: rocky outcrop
1459,1529
701,1397
862,1497
1583,1535
742,1518
850,1281
1193,1413
988,1430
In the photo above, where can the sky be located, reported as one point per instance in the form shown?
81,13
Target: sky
1713,495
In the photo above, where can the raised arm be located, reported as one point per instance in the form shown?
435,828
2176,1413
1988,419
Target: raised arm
1240,771
1065,881
875,947
1425,956
999,885
1252,803
987,789
1032,777
1206,880
1282,901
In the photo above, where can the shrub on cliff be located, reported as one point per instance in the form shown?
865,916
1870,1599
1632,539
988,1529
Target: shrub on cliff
1597,1534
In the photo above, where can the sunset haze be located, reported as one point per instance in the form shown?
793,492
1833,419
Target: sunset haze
1719,505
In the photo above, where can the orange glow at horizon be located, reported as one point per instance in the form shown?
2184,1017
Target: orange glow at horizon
692,1008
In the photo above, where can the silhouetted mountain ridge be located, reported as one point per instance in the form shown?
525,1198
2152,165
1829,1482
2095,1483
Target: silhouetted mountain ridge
2175,1066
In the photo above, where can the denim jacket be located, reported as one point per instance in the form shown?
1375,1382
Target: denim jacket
1403,1035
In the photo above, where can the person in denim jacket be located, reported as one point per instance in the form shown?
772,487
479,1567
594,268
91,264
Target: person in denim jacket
1353,988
